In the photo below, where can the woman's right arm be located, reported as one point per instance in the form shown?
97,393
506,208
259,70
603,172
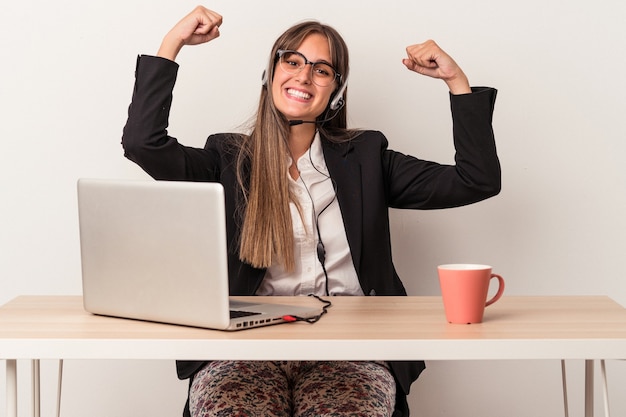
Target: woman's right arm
145,139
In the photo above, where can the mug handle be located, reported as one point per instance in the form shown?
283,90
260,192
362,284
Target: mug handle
500,289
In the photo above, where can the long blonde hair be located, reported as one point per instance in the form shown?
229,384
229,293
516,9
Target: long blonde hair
267,231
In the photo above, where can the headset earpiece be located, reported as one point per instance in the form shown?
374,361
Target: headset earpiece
338,102
264,78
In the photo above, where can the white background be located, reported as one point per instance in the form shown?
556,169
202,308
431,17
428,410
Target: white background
558,227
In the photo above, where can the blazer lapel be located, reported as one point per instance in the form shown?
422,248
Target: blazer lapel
346,173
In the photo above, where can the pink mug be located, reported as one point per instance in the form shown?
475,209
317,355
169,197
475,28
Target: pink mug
464,289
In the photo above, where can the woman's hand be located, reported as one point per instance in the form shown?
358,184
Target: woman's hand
199,26
429,59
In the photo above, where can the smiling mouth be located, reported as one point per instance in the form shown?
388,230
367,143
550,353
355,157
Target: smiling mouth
298,94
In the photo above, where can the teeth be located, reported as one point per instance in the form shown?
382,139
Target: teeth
299,94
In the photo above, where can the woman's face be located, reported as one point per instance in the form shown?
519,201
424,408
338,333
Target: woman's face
295,95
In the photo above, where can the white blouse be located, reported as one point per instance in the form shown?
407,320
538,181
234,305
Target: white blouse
315,192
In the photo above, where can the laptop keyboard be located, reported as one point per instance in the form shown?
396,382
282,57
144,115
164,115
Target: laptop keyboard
234,314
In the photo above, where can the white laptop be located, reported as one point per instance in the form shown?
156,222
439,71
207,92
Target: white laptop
156,251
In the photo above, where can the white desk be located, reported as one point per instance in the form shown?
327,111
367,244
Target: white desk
356,328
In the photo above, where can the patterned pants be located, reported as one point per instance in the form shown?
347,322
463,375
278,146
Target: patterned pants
288,388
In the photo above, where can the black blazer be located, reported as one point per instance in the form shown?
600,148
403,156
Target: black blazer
369,179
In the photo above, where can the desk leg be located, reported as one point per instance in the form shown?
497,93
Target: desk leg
589,388
11,387
605,391
59,387
564,386
36,381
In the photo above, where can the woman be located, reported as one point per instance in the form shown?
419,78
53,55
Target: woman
308,205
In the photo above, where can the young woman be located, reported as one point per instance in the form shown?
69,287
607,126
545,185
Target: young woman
307,202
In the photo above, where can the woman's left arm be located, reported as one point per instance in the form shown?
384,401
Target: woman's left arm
415,183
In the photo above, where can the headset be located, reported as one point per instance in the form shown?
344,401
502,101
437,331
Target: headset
336,104
337,101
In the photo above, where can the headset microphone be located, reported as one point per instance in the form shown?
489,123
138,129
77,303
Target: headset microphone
299,122
339,104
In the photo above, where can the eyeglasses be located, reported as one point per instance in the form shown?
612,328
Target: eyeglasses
292,62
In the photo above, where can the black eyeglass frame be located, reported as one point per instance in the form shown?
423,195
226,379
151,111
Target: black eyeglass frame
281,52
